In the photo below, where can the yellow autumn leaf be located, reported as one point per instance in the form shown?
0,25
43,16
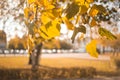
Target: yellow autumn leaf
77,19
26,12
48,4
81,29
80,1
72,10
93,12
45,19
83,9
93,23
51,31
95,9
31,1
105,33
57,12
91,48
89,1
84,2
69,25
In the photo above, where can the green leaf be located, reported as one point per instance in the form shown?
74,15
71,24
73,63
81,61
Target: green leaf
72,10
77,30
105,33
91,48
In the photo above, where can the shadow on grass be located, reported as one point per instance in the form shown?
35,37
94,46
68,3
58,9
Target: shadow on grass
45,72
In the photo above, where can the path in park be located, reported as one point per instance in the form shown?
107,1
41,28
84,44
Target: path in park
66,55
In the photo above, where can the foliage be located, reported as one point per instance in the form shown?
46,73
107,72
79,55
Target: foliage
65,45
52,44
56,44
2,36
18,43
114,44
91,48
43,18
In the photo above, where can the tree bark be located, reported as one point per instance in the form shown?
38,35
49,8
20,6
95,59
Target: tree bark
30,59
38,53
35,56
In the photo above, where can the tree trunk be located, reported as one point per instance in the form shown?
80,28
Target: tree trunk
30,59
38,53
34,57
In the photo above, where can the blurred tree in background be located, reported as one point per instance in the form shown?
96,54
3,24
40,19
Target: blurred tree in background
114,45
3,42
18,43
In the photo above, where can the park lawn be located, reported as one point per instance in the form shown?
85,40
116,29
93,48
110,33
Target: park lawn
21,62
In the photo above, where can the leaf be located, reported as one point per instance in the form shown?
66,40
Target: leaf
93,23
89,1
80,1
77,30
105,33
91,48
26,12
101,9
93,11
82,29
77,20
69,25
72,10
84,2
45,19
83,9
52,31
48,25
56,12
48,5
31,1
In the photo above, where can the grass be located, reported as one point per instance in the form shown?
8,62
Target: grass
12,66
18,62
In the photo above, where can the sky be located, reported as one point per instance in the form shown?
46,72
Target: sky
12,28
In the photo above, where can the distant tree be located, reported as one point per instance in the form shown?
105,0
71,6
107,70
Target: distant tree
18,43
52,44
2,36
3,40
115,44
65,45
